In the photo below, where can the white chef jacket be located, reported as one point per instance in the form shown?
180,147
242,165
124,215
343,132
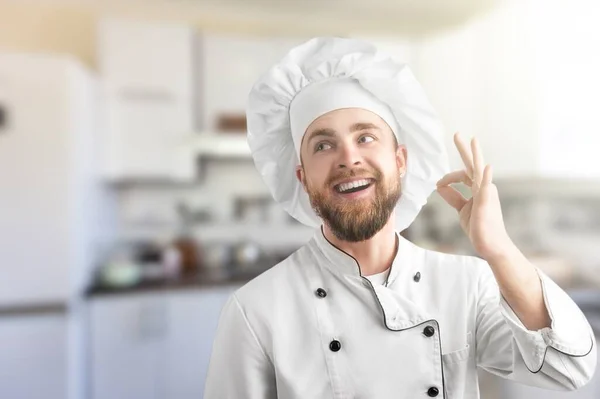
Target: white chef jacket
313,327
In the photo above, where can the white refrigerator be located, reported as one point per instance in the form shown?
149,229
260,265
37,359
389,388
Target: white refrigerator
54,215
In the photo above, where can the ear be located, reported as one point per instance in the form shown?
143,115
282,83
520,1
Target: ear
300,174
401,158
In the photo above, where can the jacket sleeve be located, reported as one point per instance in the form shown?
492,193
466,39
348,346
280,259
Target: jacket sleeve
561,357
238,367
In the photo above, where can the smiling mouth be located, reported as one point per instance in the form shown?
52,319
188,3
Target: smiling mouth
353,187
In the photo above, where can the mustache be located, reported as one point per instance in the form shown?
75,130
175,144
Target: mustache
357,172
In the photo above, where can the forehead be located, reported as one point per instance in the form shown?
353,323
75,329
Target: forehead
341,119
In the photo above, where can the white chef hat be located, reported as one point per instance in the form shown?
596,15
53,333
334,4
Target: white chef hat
325,74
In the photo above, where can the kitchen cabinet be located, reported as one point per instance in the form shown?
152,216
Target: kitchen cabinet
193,317
231,65
149,93
142,138
144,55
33,356
127,338
153,345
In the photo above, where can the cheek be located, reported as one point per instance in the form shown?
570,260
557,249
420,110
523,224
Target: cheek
387,164
314,178
316,172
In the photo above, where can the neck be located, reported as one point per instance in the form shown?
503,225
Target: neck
374,255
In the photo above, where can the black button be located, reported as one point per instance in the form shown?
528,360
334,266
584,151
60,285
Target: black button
433,392
429,331
417,277
335,345
321,292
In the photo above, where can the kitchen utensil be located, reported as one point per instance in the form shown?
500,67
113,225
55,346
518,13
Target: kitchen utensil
246,254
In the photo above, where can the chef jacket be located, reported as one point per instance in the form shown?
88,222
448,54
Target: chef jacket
313,327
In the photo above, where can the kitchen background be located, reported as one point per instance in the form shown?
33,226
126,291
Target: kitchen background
130,207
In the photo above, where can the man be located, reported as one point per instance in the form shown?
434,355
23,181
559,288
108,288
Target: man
347,142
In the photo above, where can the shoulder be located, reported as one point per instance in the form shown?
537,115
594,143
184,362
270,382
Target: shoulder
262,301
275,284
264,283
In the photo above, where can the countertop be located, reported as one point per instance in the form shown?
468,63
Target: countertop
197,280
34,309
588,299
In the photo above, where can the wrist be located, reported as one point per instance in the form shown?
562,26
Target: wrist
506,253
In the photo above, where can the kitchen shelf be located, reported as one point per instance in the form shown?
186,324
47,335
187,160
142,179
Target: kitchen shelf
207,145
271,235
218,145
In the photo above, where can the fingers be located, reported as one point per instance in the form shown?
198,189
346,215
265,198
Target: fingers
487,175
452,197
478,164
465,154
459,176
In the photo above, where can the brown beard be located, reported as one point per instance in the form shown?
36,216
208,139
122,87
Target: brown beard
355,221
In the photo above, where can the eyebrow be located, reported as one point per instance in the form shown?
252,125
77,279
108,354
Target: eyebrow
363,126
327,132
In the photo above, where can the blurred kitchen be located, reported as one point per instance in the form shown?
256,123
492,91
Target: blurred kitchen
130,207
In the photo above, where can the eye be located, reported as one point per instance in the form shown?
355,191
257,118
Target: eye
366,139
322,146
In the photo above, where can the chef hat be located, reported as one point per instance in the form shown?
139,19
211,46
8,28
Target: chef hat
325,74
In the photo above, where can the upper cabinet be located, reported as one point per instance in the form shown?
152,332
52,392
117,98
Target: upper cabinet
166,85
150,96
230,66
497,78
147,57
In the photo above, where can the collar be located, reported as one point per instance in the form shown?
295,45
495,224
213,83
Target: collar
341,263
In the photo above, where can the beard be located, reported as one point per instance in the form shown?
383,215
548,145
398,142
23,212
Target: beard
356,220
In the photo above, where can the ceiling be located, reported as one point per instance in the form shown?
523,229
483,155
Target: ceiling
341,16
403,16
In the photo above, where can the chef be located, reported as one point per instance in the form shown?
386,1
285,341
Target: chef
347,142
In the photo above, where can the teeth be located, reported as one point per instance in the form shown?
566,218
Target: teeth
347,186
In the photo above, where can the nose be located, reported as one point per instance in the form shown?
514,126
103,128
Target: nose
349,156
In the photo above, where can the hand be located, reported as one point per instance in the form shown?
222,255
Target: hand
481,215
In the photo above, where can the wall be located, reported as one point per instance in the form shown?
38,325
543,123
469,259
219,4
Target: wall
480,77
45,28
